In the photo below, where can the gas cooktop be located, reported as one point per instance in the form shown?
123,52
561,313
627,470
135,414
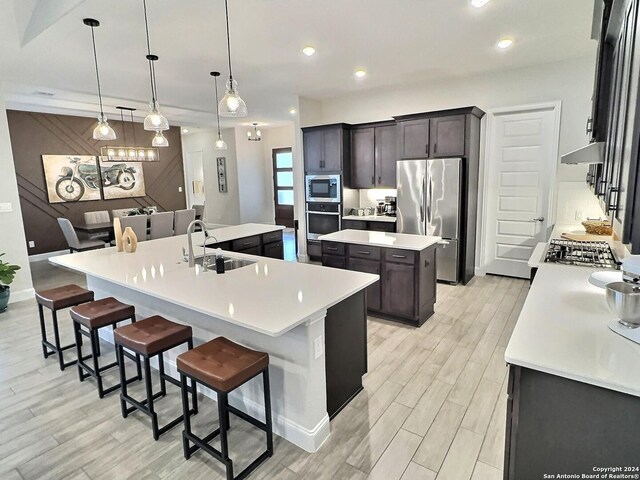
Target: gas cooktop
586,254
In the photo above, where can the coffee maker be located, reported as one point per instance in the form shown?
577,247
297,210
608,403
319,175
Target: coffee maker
390,206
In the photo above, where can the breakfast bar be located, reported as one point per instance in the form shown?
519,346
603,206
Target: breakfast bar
310,320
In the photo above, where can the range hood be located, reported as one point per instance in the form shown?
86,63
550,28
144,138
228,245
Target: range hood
592,153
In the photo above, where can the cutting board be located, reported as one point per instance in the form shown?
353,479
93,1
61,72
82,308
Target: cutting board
585,237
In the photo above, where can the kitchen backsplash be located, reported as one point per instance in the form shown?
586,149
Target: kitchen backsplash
575,199
370,197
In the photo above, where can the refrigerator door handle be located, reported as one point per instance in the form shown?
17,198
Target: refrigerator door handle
422,201
430,199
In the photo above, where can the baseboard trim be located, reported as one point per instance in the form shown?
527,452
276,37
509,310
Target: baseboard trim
20,295
46,256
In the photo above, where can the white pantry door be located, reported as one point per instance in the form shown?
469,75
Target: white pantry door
522,159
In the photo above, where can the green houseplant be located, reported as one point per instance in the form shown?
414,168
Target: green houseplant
7,274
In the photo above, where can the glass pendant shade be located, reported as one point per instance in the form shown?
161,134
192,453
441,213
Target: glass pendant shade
231,104
159,140
103,130
220,144
154,120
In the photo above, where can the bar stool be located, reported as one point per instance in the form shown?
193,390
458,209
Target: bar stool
223,366
149,338
94,316
56,299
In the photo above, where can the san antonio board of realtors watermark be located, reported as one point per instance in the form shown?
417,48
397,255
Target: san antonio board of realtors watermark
600,473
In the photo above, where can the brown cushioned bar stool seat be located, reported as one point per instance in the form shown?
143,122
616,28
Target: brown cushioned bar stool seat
56,299
148,338
223,366
94,316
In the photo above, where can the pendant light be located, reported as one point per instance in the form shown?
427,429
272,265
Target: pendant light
256,136
154,119
103,130
220,143
159,140
231,104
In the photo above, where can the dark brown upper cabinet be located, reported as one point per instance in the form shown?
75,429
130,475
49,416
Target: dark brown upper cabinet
414,139
326,148
447,136
374,152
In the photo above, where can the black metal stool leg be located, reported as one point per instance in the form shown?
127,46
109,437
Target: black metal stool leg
185,415
163,382
43,331
96,367
77,335
267,407
152,413
123,380
194,390
56,334
224,446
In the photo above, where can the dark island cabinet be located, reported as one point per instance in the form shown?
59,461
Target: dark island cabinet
561,426
406,291
267,245
326,148
374,152
368,225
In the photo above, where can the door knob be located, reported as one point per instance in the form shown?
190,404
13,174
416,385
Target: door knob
539,219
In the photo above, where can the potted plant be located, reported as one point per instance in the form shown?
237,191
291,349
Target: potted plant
7,274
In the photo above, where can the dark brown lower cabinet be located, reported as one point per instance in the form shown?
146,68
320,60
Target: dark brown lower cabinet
406,291
368,225
564,427
267,245
373,291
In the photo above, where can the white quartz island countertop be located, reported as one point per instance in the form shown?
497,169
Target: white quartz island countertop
562,330
382,239
271,296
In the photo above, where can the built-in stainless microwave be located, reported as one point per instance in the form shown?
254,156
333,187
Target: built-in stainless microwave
323,188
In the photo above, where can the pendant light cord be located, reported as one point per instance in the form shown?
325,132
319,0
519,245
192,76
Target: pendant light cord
217,108
133,128
124,130
95,58
226,10
154,96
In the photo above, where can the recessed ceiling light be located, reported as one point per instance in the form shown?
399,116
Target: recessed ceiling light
504,43
479,3
185,130
308,51
292,111
360,73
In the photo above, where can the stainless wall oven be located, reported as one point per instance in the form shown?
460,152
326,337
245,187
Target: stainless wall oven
323,188
322,218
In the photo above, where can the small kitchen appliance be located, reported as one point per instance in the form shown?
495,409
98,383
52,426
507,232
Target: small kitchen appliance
624,300
390,206
323,188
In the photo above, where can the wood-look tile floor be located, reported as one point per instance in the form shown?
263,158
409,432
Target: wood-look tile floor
433,406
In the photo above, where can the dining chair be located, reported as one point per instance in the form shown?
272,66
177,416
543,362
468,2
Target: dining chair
199,211
182,220
74,243
100,216
161,225
138,224
120,212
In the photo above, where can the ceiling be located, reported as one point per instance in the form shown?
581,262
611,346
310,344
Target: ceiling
46,49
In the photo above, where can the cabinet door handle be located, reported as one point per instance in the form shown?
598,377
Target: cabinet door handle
426,149
246,243
379,180
589,125
435,148
399,256
364,253
373,180
333,249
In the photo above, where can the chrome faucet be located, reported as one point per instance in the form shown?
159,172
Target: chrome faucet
190,229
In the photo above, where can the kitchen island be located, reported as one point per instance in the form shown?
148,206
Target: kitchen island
311,320
405,263
574,385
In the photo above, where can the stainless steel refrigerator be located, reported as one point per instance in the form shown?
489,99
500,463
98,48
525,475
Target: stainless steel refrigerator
429,203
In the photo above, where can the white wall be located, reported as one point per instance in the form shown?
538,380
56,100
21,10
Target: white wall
12,239
576,197
570,81
221,208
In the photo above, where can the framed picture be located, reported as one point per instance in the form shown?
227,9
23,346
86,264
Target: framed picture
122,180
71,178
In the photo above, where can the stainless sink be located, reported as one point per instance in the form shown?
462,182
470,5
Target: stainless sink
229,263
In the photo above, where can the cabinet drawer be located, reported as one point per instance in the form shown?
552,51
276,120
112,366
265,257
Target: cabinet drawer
354,225
333,248
253,251
381,226
364,251
272,237
399,256
246,243
334,261
221,246
274,250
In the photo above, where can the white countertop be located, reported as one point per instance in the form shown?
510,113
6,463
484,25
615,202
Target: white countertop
562,330
233,232
271,296
371,218
382,239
